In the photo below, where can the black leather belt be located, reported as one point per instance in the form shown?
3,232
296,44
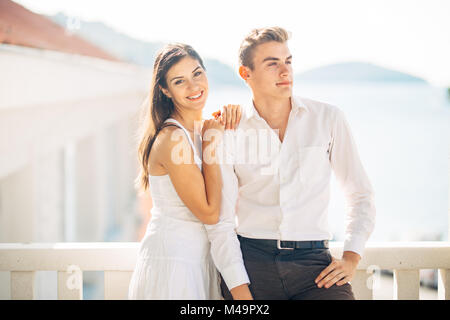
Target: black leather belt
290,245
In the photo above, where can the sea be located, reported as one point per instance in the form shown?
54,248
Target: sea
402,132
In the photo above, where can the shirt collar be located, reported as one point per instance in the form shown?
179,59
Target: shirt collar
296,103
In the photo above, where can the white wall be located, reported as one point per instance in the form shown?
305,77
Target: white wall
67,152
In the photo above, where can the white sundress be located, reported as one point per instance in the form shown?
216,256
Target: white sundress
174,260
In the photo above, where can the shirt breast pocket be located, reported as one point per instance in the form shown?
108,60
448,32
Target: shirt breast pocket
313,164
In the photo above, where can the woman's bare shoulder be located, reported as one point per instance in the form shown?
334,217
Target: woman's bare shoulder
170,137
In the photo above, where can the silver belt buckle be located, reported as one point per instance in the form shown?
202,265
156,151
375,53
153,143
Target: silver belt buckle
279,246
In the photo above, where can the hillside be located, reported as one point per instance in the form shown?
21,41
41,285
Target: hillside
354,72
141,52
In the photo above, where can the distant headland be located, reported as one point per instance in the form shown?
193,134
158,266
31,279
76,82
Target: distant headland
143,53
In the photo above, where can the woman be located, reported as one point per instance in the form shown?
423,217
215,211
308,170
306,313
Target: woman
174,261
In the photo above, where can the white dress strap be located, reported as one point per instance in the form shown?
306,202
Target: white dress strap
198,158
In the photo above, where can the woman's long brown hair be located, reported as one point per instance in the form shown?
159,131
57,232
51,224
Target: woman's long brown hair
160,107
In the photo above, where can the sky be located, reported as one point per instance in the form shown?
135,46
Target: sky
409,36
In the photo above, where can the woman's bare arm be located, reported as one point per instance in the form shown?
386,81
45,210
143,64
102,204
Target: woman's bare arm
201,193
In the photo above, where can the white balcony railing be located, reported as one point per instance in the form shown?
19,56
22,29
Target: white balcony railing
117,260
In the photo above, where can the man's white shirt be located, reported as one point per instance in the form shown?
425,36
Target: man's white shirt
280,190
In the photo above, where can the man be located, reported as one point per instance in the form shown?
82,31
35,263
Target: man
279,249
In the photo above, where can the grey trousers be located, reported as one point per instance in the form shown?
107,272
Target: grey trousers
286,274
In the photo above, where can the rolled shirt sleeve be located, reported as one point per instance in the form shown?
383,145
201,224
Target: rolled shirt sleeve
225,246
358,191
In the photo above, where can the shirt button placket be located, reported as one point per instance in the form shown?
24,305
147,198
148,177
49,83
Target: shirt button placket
282,178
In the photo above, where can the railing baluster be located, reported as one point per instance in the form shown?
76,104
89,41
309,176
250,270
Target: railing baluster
116,284
70,285
406,284
23,285
444,284
362,285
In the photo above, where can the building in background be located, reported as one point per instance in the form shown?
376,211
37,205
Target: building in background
68,118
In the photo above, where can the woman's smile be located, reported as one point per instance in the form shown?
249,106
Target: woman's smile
196,96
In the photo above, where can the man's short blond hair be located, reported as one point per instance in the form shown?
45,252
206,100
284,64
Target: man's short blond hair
257,37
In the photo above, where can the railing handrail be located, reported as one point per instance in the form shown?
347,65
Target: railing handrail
121,256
